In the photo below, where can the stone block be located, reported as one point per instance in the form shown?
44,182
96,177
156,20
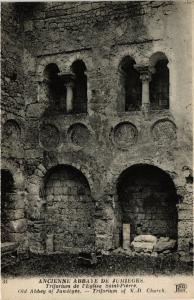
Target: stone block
184,244
32,188
143,246
19,226
36,247
37,236
49,243
15,214
162,245
28,26
185,228
185,214
126,236
164,239
104,242
145,238
188,198
16,236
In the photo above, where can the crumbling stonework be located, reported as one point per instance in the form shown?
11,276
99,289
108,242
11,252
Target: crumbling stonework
103,138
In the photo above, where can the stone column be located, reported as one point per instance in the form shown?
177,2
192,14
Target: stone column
69,96
145,76
68,79
126,236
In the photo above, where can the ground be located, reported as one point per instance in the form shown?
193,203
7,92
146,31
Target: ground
69,265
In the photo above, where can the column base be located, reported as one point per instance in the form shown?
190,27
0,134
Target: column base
145,107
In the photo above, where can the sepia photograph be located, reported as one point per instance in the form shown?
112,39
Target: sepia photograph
96,150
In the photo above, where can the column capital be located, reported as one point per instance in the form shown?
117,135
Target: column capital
44,80
67,77
145,71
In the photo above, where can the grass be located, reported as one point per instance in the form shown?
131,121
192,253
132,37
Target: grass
69,265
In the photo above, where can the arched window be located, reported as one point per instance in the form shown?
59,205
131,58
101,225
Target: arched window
56,90
80,87
159,85
131,86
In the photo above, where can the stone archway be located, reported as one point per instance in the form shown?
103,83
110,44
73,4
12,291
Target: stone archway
147,199
7,189
69,210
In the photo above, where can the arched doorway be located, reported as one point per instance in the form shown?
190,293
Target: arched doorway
69,210
147,199
7,188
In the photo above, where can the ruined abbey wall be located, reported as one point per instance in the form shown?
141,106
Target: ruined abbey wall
105,140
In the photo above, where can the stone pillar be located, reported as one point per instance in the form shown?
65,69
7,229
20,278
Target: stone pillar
145,76
68,79
49,243
126,236
69,96
89,95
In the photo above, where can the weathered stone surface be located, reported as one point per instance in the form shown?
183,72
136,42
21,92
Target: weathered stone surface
17,225
125,135
49,136
15,214
101,34
49,243
145,238
162,245
143,246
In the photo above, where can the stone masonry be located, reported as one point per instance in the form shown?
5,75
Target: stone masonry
89,149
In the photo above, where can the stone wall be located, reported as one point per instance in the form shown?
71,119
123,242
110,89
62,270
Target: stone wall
69,210
106,140
13,123
148,202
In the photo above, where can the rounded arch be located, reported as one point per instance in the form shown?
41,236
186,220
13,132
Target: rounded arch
85,58
51,71
157,56
7,189
15,171
147,197
42,65
41,171
159,85
133,53
149,167
68,210
73,170
80,97
126,61
115,170
130,90
54,88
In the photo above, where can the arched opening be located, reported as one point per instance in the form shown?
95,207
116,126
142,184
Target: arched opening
69,210
80,87
56,90
147,198
7,188
159,85
130,85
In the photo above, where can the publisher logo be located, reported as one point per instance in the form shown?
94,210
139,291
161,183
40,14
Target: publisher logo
181,288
